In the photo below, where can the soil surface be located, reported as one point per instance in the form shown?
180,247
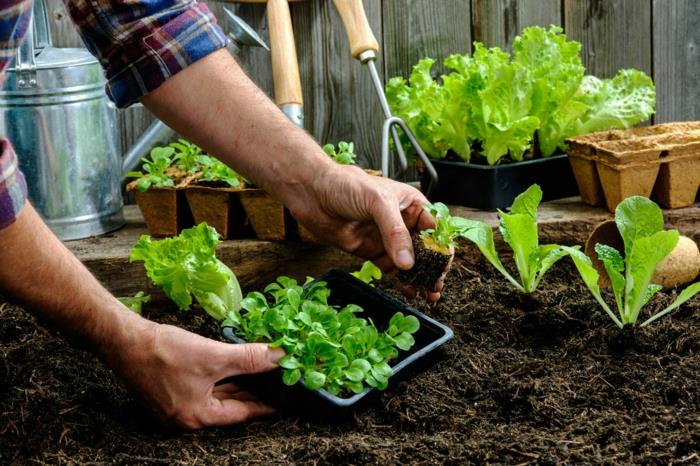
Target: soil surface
541,379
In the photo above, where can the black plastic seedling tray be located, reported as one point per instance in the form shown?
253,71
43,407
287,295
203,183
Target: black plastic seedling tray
346,289
495,187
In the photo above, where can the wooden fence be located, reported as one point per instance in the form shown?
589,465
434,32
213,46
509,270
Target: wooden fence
660,37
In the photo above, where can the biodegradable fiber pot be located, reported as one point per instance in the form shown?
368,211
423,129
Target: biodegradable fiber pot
681,266
495,187
164,210
218,207
610,166
378,306
267,216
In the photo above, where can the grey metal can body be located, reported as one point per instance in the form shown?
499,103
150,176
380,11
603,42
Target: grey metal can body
63,129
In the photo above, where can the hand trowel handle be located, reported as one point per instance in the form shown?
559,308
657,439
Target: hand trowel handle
360,34
285,67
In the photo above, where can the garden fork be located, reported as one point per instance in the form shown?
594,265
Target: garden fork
364,47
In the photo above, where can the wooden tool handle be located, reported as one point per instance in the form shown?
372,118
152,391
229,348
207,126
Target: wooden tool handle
360,34
285,68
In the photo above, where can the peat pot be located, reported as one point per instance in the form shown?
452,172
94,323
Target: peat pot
54,110
489,187
346,289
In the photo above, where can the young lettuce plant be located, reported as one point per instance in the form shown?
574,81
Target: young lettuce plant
213,170
368,273
519,230
135,303
186,266
327,347
434,247
345,155
640,222
186,155
155,170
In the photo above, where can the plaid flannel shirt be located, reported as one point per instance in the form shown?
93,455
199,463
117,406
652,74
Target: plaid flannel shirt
139,44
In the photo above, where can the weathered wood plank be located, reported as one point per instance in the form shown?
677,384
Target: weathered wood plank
63,32
497,22
677,59
254,262
615,34
339,100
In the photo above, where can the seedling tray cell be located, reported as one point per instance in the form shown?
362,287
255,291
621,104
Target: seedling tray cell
378,306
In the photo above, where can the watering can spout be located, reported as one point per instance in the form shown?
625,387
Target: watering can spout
159,133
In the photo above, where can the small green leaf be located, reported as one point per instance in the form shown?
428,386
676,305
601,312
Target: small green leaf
404,341
314,380
290,377
354,374
290,362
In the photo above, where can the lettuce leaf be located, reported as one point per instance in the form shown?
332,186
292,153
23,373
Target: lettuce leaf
186,266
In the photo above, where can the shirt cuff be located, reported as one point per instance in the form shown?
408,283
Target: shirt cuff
148,62
13,189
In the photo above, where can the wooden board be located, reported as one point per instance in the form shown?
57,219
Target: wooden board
256,263
497,22
677,59
615,34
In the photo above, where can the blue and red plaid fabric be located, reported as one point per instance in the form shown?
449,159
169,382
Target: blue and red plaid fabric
140,45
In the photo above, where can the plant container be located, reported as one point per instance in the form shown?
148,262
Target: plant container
164,210
267,216
489,187
346,289
219,207
610,166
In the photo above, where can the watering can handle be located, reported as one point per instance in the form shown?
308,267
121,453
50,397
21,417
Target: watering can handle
359,32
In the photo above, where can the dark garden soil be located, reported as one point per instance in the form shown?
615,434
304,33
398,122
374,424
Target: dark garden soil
545,379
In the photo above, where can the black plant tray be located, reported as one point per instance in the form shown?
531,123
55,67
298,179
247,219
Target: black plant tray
494,187
346,289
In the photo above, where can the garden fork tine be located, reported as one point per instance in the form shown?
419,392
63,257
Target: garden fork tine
364,47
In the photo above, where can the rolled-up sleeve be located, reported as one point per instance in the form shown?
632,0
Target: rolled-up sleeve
141,44
13,189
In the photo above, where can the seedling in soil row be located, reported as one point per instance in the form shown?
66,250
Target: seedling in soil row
135,303
215,171
519,230
640,222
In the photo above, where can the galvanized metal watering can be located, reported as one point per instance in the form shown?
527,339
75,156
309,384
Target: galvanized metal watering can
54,110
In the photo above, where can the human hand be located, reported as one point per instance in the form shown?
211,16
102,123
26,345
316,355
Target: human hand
176,373
369,216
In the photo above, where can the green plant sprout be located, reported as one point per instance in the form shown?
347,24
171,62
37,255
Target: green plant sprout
186,155
519,230
447,227
186,266
345,154
640,222
155,170
136,302
214,170
327,346
368,273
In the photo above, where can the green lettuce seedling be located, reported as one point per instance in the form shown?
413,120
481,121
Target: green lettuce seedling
155,170
640,222
447,227
186,266
327,346
345,154
368,273
214,170
135,303
519,230
186,155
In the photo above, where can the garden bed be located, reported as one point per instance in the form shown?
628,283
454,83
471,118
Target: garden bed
544,379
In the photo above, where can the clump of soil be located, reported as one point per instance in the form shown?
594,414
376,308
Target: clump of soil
541,379
431,262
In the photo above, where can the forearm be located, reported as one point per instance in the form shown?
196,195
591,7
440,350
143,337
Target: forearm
40,273
230,117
